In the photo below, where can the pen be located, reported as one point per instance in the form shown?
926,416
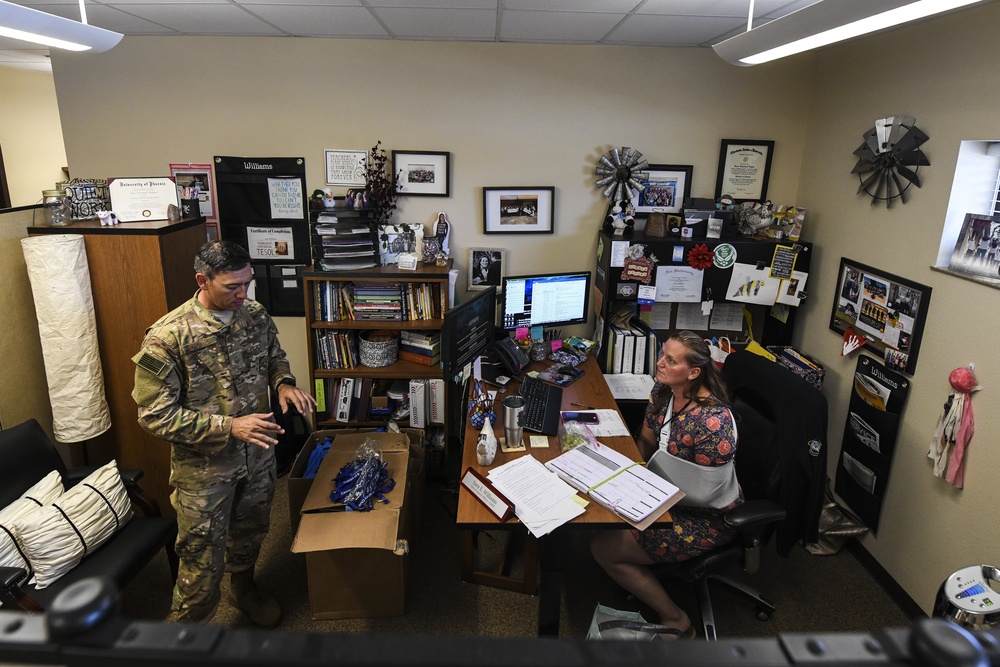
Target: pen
585,407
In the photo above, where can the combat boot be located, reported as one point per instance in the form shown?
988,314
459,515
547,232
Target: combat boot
260,607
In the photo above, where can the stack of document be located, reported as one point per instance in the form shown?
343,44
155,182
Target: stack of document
542,501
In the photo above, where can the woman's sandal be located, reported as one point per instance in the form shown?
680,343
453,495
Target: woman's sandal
677,634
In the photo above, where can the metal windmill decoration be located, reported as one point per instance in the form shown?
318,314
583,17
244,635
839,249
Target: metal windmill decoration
885,159
620,172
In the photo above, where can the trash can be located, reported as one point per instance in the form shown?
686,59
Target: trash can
971,597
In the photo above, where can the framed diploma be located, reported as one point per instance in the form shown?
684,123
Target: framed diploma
744,170
138,199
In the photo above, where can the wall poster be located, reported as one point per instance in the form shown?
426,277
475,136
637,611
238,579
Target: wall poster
888,311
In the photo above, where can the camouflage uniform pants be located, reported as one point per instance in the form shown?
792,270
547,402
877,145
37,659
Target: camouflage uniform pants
223,505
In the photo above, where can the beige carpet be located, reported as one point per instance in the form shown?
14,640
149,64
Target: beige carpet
813,594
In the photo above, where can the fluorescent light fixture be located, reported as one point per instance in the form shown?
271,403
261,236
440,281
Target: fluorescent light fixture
31,25
823,23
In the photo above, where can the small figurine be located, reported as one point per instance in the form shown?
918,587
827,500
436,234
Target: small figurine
442,230
328,200
620,219
725,203
316,199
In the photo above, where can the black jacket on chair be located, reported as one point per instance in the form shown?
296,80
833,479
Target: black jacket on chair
795,439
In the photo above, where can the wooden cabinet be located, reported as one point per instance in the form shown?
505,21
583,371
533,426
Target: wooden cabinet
338,314
139,271
621,292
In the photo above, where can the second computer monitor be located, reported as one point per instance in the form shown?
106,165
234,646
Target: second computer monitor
548,300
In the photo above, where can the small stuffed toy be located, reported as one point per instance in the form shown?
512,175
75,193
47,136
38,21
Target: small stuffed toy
620,219
954,428
725,203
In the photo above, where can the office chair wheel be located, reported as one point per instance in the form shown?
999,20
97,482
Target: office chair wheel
763,614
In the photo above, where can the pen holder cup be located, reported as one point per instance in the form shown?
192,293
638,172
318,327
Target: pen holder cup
513,420
481,409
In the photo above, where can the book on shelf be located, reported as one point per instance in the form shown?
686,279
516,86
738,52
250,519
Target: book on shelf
624,487
418,403
418,358
345,396
435,399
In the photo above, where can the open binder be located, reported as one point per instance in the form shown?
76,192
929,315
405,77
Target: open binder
627,488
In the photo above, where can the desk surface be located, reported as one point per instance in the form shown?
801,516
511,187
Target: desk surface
590,389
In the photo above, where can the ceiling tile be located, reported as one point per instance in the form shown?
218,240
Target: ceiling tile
609,6
459,24
200,19
674,30
314,21
435,4
532,26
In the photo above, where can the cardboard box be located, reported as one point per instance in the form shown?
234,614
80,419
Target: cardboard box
356,562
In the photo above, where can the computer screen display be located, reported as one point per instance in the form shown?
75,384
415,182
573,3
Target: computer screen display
554,299
467,331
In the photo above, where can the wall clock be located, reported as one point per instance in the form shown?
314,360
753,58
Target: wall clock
889,158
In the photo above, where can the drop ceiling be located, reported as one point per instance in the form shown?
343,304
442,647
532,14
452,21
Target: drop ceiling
673,23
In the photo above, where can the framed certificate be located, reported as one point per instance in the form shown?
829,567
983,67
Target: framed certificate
744,170
137,199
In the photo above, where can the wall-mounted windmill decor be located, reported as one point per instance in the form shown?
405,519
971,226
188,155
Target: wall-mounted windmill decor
620,173
889,159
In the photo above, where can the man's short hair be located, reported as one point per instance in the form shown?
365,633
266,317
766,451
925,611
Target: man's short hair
220,257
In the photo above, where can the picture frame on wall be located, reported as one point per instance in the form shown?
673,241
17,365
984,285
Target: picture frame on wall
518,210
665,190
486,268
887,311
345,167
422,173
744,169
199,178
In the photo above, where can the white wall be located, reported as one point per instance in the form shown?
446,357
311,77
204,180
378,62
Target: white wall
30,134
943,73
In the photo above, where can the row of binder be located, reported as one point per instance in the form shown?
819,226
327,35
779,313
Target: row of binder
631,349
345,400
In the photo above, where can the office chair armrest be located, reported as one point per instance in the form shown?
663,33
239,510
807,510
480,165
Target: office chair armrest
754,515
11,577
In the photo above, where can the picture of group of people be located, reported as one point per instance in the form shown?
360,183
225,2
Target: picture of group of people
659,193
356,198
977,250
420,173
882,310
519,210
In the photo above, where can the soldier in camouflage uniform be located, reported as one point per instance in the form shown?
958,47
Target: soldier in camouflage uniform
202,383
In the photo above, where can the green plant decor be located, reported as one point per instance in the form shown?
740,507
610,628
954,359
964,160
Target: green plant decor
382,193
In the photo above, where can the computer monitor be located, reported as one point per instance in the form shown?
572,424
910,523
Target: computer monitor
554,299
467,331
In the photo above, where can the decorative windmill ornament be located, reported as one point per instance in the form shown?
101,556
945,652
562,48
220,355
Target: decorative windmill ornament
620,173
885,159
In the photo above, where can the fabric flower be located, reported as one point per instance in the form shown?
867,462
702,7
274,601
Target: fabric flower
700,257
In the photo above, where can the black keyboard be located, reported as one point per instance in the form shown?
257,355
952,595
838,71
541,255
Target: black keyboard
543,403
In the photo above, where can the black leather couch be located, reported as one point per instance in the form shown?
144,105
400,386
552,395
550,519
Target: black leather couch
27,455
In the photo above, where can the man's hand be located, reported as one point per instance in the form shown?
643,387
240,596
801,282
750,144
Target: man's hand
257,429
303,402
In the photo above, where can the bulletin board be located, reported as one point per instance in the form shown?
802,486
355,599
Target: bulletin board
888,311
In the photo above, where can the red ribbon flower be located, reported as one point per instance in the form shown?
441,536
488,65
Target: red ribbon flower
700,257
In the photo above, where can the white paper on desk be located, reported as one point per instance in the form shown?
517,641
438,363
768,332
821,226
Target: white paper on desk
678,283
691,317
532,488
628,386
609,423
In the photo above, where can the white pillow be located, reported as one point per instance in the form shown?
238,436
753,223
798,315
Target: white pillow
42,493
53,537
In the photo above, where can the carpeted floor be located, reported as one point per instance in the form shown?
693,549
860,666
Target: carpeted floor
812,593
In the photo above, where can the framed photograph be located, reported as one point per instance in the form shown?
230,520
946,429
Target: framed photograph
197,179
422,174
888,311
977,249
344,167
486,268
665,190
525,210
744,170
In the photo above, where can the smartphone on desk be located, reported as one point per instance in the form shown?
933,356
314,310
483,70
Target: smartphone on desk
582,417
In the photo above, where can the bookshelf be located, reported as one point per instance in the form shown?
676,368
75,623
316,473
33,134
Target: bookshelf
343,306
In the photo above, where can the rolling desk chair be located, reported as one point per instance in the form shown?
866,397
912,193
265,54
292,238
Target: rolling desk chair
781,467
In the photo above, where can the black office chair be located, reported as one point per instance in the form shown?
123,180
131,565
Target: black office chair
781,466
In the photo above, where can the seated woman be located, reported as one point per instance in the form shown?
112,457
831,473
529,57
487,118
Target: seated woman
690,429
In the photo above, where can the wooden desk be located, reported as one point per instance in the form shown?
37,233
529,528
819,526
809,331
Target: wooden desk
590,389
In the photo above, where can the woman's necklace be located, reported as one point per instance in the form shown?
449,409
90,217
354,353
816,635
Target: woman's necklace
676,413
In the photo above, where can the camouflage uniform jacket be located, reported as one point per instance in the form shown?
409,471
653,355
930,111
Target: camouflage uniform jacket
194,374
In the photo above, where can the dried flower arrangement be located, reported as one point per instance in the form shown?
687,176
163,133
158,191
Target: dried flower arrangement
382,193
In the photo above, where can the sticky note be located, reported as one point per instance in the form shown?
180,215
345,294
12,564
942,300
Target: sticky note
556,344
521,333
537,332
